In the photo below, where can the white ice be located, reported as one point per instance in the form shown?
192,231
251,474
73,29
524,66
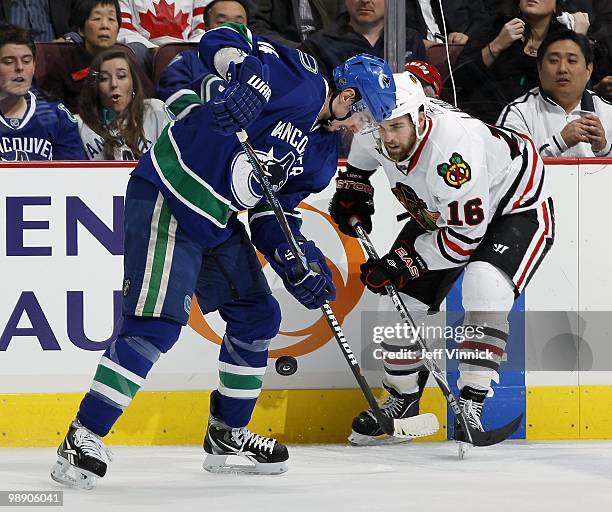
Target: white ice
423,477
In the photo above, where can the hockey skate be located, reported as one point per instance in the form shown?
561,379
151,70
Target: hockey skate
81,459
367,431
471,402
265,455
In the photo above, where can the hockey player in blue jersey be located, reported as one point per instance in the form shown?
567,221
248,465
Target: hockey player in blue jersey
182,236
30,129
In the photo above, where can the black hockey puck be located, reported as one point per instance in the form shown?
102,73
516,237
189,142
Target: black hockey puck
286,365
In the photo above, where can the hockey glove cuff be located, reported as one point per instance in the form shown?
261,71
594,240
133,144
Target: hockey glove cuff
246,95
311,288
354,197
400,265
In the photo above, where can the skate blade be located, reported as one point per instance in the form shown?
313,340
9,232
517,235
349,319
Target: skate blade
463,449
357,439
219,464
66,474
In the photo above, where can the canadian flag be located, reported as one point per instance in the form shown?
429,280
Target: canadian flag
157,22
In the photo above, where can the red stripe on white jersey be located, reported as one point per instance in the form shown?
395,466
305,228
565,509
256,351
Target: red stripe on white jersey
126,15
454,247
128,26
533,255
198,11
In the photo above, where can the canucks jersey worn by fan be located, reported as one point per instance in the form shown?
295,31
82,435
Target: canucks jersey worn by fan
47,131
157,22
156,117
476,199
183,237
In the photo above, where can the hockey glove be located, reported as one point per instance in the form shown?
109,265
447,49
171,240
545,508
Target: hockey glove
246,95
310,288
399,266
354,197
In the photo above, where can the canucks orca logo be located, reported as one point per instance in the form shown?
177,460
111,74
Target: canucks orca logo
246,187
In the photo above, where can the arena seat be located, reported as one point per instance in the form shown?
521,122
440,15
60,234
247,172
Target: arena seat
436,54
164,54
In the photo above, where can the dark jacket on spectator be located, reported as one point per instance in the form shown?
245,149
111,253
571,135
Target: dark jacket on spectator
485,91
334,45
59,10
280,19
466,16
63,79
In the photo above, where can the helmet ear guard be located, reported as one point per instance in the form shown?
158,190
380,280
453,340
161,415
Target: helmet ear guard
372,79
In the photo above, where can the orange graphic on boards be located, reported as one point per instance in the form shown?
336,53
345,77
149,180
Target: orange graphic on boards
317,334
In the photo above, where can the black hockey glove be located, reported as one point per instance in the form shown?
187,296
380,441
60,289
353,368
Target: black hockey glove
399,266
354,197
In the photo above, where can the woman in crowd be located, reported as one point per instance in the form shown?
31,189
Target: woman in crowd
494,71
116,122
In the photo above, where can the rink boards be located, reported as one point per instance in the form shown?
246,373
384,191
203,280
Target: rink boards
61,261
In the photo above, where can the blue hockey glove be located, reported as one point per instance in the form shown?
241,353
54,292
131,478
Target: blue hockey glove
310,288
244,98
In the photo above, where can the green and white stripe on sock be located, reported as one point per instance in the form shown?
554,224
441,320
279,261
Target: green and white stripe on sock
159,261
240,381
116,383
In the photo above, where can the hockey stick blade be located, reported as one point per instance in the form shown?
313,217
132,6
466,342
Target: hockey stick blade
491,437
475,437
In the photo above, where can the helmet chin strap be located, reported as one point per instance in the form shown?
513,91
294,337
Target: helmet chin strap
330,107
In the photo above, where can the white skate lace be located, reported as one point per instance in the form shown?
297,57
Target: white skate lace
245,438
91,445
392,406
472,410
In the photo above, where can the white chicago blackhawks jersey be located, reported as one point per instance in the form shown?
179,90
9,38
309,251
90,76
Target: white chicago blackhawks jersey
157,22
463,175
156,117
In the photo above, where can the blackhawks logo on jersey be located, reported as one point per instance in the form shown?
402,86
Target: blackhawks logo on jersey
456,172
415,206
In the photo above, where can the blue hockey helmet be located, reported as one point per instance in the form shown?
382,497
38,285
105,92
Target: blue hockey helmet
372,78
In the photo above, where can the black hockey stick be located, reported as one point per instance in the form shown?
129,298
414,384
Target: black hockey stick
417,426
475,437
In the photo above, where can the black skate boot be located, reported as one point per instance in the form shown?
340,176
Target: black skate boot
81,458
367,431
471,402
266,455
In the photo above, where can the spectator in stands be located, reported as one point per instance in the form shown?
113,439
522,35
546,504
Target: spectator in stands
464,19
116,121
563,117
225,11
493,72
359,30
98,23
147,24
290,22
30,129
47,20
428,75
186,70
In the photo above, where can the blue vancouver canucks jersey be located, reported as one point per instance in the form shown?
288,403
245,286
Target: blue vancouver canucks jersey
47,131
205,176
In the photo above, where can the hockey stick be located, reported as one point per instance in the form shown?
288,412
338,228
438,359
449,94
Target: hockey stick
475,437
416,426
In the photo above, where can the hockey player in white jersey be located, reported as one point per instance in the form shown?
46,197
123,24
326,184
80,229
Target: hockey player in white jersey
476,201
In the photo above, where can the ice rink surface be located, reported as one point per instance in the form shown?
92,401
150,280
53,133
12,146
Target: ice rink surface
424,477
